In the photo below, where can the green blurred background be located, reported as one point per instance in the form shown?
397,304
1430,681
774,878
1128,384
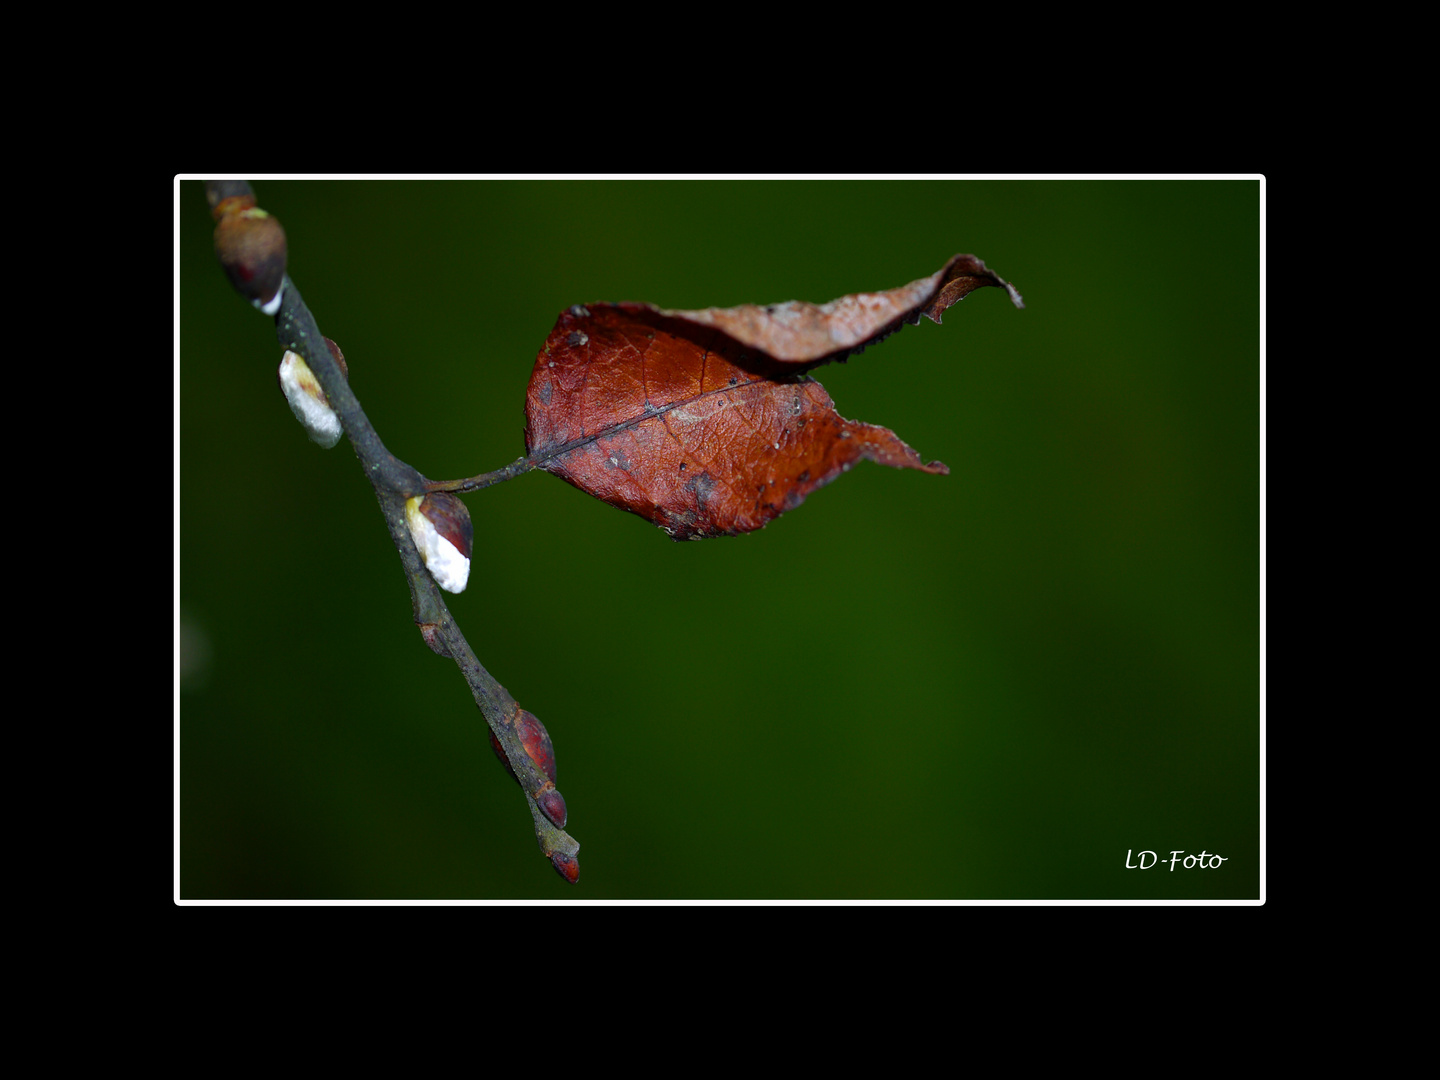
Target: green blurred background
991,685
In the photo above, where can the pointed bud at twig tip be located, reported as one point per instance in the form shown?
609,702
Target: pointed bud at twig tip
251,247
552,805
440,526
308,402
566,866
536,741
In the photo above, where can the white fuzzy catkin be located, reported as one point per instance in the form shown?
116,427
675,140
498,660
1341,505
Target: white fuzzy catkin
449,568
307,401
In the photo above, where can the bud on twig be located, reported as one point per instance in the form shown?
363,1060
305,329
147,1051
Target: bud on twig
566,866
251,247
541,751
552,805
440,526
307,400
536,741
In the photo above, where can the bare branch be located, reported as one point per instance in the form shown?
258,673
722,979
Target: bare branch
251,247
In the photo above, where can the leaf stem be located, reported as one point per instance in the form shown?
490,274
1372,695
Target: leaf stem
484,480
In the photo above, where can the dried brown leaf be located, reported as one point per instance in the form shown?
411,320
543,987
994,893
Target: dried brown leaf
703,421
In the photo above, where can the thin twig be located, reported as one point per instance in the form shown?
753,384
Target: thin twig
394,481
484,480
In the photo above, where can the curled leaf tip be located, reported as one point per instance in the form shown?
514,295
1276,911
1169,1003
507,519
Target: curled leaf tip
956,280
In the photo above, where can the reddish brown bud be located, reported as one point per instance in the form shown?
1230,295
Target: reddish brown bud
251,247
536,741
566,866
552,805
